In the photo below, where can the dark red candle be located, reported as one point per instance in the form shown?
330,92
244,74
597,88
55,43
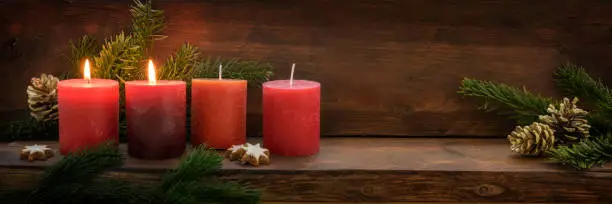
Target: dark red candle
156,114
88,112
291,115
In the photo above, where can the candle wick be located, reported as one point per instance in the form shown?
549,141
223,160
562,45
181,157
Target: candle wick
291,77
220,71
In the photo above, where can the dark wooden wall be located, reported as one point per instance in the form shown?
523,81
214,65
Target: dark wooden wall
388,67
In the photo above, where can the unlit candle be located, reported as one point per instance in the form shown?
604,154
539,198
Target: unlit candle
291,116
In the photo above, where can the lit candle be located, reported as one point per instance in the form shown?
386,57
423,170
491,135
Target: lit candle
291,115
218,112
88,112
156,117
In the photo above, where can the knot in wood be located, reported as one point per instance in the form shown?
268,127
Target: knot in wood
368,190
488,190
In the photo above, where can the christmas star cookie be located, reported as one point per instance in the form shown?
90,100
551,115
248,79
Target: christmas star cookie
36,152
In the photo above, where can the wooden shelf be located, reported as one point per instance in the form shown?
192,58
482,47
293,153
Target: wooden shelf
378,170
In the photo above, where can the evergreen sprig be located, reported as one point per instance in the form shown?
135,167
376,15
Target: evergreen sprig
194,192
183,65
110,190
521,105
255,72
65,181
29,129
85,47
585,154
201,163
148,25
525,107
119,59
192,182
76,179
573,80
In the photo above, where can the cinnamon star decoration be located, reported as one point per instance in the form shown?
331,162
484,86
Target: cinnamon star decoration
36,152
249,154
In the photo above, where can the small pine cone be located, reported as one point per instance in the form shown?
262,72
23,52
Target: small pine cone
532,140
42,97
568,121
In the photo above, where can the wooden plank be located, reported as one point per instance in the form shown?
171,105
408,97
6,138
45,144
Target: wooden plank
379,170
364,203
387,67
367,203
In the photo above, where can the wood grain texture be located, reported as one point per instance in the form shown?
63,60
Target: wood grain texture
379,170
387,67
369,203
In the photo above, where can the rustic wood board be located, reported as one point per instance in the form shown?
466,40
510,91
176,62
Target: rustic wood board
370,203
387,67
379,170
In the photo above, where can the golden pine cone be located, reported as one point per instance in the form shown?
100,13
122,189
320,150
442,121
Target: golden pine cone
568,121
42,97
532,140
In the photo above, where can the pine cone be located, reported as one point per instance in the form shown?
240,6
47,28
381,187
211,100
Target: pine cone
42,97
532,140
568,121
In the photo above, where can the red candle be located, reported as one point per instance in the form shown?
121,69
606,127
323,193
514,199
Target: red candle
218,112
88,112
291,115
156,116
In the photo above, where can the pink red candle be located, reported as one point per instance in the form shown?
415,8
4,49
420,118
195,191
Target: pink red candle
88,112
156,115
291,115
218,112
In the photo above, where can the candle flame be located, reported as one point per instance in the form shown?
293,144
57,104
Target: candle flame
151,73
87,70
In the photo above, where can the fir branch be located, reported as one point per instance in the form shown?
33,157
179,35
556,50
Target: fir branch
585,154
199,164
228,192
575,81
181,192
119,59
116,191
600,123
18,196
192,182
85,47
65,181
254,72
30,129
183,65
196,192
520,105
147,25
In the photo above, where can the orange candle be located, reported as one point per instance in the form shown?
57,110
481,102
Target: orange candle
218,112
